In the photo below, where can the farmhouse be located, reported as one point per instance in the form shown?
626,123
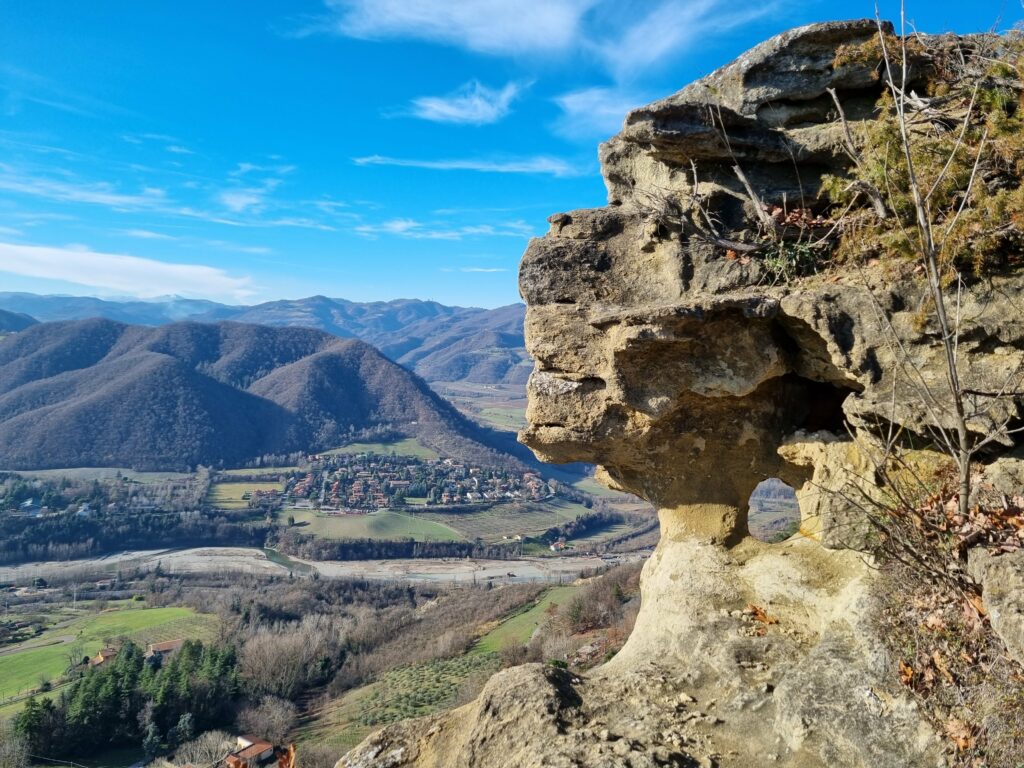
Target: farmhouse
163,650
102,656
251,753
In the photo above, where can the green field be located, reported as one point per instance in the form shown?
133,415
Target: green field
22,670
520,628
525,518
254,471
407,447
229,495
375,525
503,417
103,473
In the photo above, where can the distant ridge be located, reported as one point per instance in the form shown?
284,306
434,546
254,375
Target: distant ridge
102,393
438,342
12,322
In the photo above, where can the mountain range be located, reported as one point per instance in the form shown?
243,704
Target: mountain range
98,392
440,343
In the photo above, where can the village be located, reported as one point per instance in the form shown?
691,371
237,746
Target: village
360,483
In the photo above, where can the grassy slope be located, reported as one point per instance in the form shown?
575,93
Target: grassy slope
102,473
22,670
521,626
376,525
407,447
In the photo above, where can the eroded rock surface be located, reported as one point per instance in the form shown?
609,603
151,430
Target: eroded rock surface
673,364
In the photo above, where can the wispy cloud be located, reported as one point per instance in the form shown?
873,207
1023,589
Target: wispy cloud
145,234
625,37
543,165
145,278
177,149
96,193
485,26
483,269
20,87
654,34
418,230
595,112
241,200
472,104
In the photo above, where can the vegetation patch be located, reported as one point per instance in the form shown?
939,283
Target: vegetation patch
409,446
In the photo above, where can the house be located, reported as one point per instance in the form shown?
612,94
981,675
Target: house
84,511
250,753
163,650
102,656
30,508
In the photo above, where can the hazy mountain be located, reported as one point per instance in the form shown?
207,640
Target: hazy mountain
438,342
102,393
12,322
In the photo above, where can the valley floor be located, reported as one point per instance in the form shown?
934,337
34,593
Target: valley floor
243,560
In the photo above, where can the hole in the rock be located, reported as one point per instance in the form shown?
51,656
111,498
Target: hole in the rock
774,514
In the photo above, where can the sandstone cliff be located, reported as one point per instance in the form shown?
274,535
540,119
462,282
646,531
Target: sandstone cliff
689,368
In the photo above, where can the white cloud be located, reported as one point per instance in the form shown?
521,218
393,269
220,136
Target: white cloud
595,112
668,28
552,166
417,230
10,231
483,269
472,104
146,234
96,193
145,278
177,149
485,26
241,200
626,37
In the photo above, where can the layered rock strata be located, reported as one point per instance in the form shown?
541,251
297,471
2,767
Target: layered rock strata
673,364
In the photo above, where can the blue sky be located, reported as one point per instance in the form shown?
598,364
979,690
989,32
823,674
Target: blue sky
365,149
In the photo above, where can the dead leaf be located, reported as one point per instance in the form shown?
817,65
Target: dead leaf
940,664
961,733
761,615
906,673
935,622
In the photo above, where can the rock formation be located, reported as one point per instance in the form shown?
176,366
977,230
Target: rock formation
670,361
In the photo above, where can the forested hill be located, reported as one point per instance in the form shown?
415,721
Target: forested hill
102,393
438,342
12,322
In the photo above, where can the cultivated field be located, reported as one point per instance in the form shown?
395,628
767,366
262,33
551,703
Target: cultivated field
229,495
502,406
45,658
525,519
375,525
